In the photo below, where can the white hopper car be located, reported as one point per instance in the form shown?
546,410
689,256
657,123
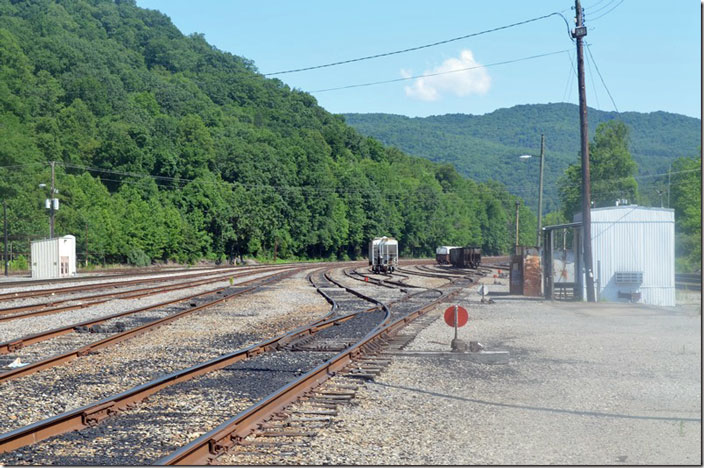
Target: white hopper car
383,254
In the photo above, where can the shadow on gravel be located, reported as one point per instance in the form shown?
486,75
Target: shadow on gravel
536,408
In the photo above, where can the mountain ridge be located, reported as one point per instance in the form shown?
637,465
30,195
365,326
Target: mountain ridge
486,146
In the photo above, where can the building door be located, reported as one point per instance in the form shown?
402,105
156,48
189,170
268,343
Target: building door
64,266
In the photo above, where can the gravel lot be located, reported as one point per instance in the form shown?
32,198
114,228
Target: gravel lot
596,384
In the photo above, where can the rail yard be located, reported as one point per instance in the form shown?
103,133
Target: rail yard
320,363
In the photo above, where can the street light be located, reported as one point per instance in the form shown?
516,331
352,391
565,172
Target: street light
540,189
51,203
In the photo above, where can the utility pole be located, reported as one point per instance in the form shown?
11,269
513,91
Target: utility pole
51,203
517,206
668,185
579,32
4,215
540,192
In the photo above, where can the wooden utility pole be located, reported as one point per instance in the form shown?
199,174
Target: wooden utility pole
579,32
540,192
669,169
517,206
4,215
51,203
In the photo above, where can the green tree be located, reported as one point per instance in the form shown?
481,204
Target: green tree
686,199
612,171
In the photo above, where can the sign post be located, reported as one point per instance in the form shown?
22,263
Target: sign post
457,316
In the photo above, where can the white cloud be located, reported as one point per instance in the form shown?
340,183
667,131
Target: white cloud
460,83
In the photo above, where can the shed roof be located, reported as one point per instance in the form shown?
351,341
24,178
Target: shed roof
630,214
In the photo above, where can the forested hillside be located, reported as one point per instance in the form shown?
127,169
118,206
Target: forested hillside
169,149
487,146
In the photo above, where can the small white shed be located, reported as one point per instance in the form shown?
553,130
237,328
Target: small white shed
633,254
54,258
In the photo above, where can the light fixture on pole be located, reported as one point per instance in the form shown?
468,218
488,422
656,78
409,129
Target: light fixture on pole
51,203
540,187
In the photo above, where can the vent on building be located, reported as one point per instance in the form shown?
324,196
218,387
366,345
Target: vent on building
629,277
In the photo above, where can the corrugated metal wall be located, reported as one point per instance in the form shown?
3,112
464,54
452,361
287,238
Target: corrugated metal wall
45,259
638,239
46,255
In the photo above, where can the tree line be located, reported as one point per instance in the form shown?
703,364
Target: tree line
169,149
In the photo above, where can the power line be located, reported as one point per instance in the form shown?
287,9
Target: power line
597,3
425,46
15,166
602,8
604,14
439,73
591,75
601,77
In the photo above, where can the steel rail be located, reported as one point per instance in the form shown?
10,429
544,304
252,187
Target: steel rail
17,343
89,287
426,271
130,294
127,272
93,413
62,358
383,283
217,441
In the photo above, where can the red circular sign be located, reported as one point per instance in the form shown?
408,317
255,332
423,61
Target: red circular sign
462,316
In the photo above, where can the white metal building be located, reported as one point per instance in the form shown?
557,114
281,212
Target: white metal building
633,250
54,258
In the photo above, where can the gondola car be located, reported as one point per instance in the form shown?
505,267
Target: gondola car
442,254
466,257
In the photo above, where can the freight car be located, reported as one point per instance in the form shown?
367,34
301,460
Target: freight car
383,254
466,257
442,254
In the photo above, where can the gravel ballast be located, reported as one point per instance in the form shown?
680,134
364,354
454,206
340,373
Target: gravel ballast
601,384
209,333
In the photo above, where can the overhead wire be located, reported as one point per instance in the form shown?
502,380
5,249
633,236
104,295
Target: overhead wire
597,3
510,188
424,46
606,13
396,80
602,8
601,77
591,75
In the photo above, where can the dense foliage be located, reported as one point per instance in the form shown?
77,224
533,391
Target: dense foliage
168,148
487,146
686,199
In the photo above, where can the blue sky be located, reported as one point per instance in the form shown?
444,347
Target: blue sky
648,51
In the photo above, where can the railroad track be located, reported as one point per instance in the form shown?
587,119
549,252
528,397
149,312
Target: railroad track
112,274
115,332
102,285
688,281
290,362
53,306
360,361
371,277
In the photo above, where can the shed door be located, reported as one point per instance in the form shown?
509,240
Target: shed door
64,266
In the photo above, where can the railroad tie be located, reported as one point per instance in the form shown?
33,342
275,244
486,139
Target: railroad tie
287,434
315,412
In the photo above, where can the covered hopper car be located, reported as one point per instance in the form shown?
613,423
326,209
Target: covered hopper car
466,257
383,254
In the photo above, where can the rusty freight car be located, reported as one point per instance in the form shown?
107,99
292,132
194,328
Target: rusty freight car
466,257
